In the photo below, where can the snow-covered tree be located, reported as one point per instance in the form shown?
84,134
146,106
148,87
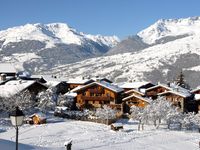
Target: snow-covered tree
158,109
174,116
190,121
106,113
22,99
62,100
139,114
46,100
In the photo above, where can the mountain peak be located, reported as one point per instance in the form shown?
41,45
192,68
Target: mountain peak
170,27
53,33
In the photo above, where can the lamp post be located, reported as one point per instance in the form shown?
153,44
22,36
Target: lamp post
16,118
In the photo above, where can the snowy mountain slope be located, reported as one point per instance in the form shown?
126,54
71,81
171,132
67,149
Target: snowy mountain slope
50,45
170,27
51,34
163,31
161,62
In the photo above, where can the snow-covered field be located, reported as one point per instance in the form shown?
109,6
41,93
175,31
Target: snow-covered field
94,136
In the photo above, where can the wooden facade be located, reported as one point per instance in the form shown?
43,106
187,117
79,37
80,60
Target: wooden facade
95,95
177,100
134,100
186,103
154,91
133,91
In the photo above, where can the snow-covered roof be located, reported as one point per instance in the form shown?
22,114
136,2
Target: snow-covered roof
117,124
70,94
132,85
139,97
196,89
7,68
134,90
104,84
79,81
51,80
197,97
182,94
13,87
159,85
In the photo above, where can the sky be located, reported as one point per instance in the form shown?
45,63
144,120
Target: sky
106,17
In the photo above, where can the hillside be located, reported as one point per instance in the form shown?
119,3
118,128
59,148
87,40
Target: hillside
161,61
42,46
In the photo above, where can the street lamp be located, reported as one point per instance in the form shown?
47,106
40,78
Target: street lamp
16,118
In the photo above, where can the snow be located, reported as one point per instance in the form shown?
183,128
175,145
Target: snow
87,135
197,97
71,94
25,56
78,80
7,68
52,34
14,86
134,85
139,97
170,27
133,65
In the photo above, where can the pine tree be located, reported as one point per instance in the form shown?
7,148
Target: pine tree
180,81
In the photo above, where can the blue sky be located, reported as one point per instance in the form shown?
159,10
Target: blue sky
106,17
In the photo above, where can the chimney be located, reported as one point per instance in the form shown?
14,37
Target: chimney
3,77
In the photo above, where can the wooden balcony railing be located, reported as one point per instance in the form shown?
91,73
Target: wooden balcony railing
97,98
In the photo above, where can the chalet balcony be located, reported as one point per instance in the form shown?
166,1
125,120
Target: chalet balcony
97,98
96,91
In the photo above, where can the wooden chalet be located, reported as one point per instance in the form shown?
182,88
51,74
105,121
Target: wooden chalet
184,100
134,100
96,94
155,90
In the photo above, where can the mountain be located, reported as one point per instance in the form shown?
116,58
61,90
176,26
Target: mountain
42,46
131,44
163,31
172,45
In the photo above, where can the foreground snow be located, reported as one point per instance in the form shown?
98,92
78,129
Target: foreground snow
87,135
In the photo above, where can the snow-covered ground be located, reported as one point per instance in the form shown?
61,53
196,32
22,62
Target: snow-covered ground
88,135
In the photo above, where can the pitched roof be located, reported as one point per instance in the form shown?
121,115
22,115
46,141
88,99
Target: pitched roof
50,80
104,84
134,90
139,97
182,94
196,89
132,85
159,85
79,81
13,87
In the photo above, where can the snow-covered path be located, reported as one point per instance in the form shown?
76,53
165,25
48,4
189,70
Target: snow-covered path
94,136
